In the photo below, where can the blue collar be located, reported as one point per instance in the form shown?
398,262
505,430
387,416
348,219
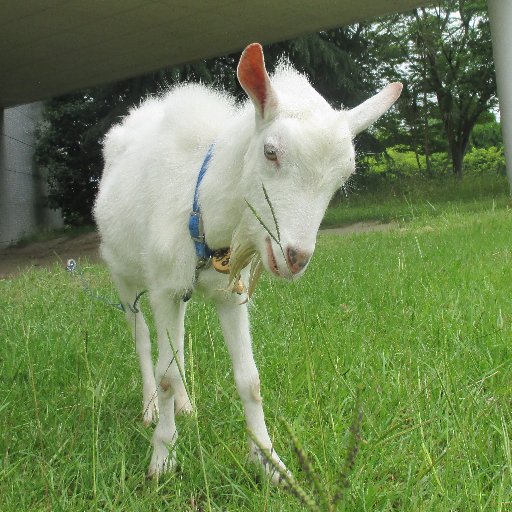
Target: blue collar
195,222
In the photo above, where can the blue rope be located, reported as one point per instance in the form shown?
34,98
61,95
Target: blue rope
195,222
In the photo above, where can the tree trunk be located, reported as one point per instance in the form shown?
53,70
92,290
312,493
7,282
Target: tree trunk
426,146
416,154
426,134
457,152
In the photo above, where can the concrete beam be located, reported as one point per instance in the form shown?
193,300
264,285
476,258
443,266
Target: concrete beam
52,47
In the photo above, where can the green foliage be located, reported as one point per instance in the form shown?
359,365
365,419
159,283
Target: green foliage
69,156
395,162
487,132
485,160
398,162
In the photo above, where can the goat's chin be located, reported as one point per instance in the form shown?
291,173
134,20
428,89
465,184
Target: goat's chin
283,275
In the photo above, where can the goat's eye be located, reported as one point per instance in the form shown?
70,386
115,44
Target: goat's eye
270,152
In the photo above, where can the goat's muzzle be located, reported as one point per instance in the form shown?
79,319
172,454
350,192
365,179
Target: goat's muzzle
297,259
292,262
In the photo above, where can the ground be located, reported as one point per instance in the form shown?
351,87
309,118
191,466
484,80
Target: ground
45,253
14,260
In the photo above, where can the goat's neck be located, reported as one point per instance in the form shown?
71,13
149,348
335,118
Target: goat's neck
221,197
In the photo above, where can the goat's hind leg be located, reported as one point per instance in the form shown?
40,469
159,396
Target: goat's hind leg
140,332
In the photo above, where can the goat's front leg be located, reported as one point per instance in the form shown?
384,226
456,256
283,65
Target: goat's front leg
234,321
169,315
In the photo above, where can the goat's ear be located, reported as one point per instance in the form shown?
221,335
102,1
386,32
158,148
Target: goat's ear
362,116
253,77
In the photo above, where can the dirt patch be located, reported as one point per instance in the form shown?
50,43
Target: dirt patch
14,260
361,227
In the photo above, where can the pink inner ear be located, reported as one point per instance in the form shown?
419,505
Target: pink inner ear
253,75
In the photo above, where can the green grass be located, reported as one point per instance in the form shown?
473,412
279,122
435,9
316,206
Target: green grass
407,198
419,318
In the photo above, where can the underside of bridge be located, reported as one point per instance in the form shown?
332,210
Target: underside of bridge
56,46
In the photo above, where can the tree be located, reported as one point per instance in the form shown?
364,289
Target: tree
451,51
443,55
69,139
457,48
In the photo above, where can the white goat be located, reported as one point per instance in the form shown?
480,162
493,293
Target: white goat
284,153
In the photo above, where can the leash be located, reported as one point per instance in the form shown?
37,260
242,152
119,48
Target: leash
74,270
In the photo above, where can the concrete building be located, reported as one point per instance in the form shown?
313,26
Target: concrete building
56,46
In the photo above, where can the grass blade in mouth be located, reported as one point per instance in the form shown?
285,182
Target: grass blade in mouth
244,253
255,274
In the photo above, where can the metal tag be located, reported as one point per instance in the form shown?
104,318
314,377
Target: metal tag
220,260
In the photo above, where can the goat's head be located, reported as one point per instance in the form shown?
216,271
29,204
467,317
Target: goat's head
301,152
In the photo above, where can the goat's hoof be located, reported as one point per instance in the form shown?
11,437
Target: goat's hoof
150,411
182,405
277,476
161,464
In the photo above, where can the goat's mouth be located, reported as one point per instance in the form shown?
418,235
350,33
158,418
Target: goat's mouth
271,259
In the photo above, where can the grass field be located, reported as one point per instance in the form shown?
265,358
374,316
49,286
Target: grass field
415,197
418,318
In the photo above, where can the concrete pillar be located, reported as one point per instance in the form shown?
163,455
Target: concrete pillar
500,16
22,187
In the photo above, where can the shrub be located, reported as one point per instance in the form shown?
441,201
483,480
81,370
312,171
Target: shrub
485,160
400,162
397,162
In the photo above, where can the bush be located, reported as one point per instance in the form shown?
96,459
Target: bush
397,162
485,160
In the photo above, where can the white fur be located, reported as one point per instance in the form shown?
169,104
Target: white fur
152,159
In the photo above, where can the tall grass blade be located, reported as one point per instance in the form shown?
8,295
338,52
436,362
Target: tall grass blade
267,198
260,220
354,443
305,464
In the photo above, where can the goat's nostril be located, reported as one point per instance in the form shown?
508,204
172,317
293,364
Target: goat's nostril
297,259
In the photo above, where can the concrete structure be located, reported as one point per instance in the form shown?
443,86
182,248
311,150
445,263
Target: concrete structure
22,187
56,46
500,16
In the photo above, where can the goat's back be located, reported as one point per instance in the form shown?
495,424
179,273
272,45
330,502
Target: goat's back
151,163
